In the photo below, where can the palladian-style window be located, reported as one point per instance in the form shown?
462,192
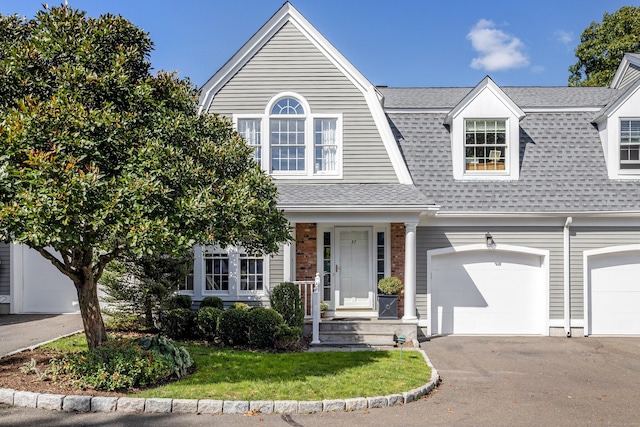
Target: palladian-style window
485,145
297,142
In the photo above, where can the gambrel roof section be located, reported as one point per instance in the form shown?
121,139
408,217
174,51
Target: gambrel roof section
288,14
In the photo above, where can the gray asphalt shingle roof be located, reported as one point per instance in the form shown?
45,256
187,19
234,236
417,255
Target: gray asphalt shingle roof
562,167
524,97
362,195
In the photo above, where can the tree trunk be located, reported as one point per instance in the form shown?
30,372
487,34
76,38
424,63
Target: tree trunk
90,311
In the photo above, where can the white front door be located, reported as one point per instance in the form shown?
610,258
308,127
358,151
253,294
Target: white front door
354,287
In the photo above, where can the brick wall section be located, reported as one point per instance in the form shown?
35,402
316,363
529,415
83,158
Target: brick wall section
306,247
397,258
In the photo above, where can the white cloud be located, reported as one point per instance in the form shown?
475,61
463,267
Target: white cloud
564,37
538,69
497,50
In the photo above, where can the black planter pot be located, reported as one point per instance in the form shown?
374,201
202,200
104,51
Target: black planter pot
387,306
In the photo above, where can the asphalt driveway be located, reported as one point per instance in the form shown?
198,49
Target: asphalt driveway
498,381
19,331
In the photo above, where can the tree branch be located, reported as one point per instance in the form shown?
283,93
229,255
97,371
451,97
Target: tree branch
62,267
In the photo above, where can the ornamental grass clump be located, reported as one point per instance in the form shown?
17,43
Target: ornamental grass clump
124,363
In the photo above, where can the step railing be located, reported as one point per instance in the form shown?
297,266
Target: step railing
310,296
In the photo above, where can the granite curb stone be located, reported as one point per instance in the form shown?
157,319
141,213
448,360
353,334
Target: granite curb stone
235,406
333,405
6,396
184,406
52,402
76,403
25,399
355,404
104,404
130,404
309,407
262,406
206,406
158,405
285,406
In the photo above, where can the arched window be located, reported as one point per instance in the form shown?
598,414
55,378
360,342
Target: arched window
287,135
292,142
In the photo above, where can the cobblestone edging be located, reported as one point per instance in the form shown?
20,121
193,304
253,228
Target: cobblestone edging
72,403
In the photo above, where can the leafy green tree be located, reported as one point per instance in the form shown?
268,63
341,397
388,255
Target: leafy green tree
99,158
137,287
603,45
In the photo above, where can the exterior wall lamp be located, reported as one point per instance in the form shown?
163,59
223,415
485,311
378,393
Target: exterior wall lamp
489,239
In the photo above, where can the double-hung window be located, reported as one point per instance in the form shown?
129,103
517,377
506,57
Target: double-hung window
232,272
250,129
251,274
630,144
485,145
289,141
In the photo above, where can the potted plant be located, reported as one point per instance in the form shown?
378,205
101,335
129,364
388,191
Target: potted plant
388,290
324,306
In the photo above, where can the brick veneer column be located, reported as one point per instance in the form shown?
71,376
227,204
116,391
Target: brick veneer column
397,259
306,251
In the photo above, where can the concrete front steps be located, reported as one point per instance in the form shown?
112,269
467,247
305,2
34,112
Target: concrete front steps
363,333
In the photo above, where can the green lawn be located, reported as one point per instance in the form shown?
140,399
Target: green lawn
227,374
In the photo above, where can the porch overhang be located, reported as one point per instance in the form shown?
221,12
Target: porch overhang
375,199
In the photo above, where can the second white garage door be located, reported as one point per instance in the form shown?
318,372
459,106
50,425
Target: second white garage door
613,291
488,291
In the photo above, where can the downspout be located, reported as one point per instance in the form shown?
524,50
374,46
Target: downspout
567,277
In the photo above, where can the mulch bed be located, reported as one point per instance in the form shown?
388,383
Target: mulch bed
11,376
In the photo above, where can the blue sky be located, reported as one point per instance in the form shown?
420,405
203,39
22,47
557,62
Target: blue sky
399,43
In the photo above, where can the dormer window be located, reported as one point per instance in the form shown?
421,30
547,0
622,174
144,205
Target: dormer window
630,144
297,143
485,145
485,135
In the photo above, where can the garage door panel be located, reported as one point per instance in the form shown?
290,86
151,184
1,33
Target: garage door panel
487,292
614,286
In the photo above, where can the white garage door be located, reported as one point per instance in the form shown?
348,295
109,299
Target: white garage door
45,289
488,292
615,293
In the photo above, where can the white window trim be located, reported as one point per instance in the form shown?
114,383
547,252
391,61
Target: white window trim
507,150
310,117
511,165
233,253
632,173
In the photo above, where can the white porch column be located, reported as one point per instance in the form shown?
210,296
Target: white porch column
289,257
410,273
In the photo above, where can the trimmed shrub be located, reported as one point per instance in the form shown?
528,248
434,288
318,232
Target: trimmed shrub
390,286
287,338
207,320
233,327
285,299
178,323
240,306
125,363
177,356
263,323
179,301
212,301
